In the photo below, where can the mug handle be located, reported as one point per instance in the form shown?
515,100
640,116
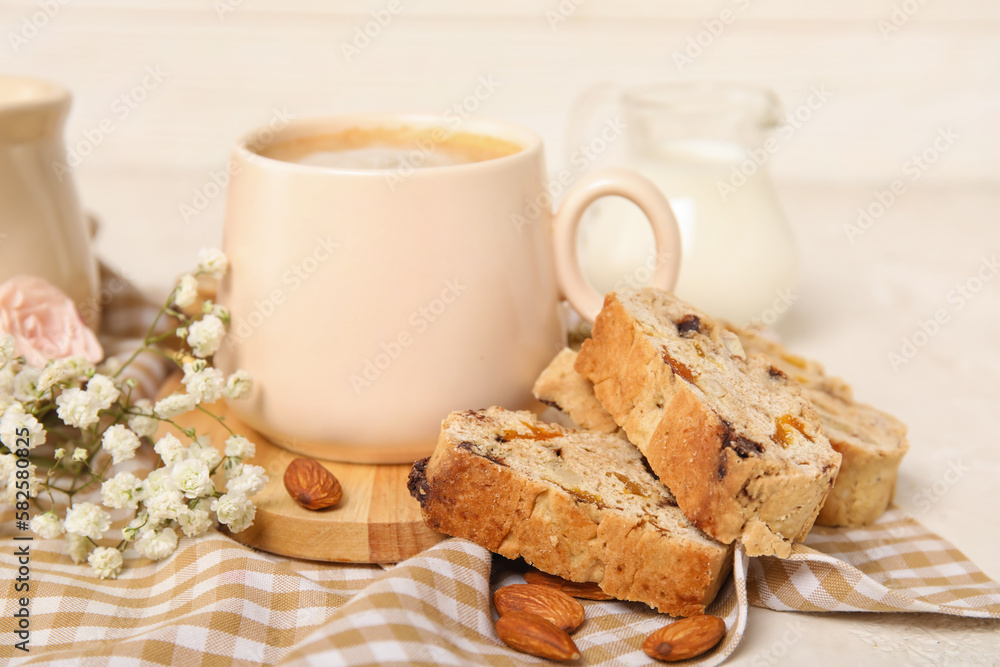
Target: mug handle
640,191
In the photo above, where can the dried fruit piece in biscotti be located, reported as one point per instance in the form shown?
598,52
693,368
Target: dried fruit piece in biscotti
735,441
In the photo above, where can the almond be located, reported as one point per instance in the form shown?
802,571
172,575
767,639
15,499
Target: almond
311,485
530,633
587,590
551,604
685,638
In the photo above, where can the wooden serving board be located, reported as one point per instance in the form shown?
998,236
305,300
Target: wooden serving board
376,521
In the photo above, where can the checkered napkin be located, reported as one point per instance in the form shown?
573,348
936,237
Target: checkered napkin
216,602
894,565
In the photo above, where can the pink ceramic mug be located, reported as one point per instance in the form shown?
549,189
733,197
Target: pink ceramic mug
368,303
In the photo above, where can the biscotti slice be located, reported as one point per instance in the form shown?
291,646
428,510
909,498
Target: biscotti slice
731,436
807,372
871,442
562,388
576,504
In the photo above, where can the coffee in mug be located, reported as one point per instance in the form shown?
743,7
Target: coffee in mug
389,148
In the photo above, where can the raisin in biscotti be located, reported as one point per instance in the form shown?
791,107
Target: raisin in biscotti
577,504
733,438
871,442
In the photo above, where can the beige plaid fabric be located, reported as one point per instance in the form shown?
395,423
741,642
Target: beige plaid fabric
216,602
894,565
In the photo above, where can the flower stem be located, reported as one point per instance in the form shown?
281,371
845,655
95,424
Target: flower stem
217,418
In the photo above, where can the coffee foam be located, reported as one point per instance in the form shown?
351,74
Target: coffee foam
390,148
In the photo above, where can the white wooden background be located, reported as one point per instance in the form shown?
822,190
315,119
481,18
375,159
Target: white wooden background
226,65
224,72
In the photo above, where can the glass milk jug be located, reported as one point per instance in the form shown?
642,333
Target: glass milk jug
706,146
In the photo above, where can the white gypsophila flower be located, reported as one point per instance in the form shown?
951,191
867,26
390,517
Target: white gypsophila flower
77,407
170,449
51,375
238,385
232,467
104,390
186,291
8,462
194,366
165,506
6,348
59,453
47,525
212,262
221,312
250,480
205,336
157,482
79,366
143,423
16,424
26,384
175,404
64,372
7,374
60,371
157,545
107,562
78,547
87,520
235,511
122,490
21,480
195,521
203,382
193,478
120,442
201,448
240,447
129,532
6,400
80,454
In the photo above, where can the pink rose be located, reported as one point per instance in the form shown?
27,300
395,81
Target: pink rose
44,322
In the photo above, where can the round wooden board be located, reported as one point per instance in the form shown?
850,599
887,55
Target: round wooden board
376,521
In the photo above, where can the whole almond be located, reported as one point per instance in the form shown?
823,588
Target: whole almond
551,604
311,485
587,590
685,638
530,633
